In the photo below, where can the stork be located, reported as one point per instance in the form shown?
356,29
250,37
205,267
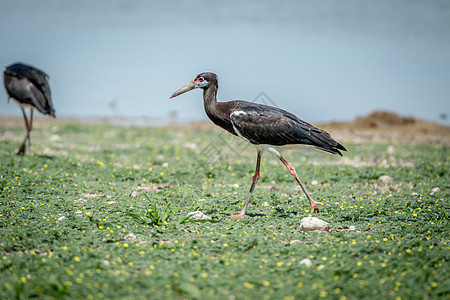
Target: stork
267,128
29,87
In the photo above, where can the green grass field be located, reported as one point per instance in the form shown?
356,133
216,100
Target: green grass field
99,211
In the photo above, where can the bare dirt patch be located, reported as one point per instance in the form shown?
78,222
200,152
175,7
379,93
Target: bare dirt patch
381,126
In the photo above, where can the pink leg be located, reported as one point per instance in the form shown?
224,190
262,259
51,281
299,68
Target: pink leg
255,179
291,169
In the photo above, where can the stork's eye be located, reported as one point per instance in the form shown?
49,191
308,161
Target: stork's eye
200,79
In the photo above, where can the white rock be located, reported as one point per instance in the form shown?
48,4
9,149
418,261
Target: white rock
61,218
130,236
54,138
385,178
190,146
352,228
391,150
314,182
313,223
435,190
414,194
198,215
306,262
265,204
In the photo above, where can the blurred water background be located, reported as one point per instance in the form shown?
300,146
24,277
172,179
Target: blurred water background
322,60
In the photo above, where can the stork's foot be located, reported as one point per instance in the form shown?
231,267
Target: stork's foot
314,208
237,216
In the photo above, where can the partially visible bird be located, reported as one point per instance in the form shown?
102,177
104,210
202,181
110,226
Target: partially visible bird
29,87
267,128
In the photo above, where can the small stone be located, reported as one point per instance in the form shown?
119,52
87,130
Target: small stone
390,150
54,138
385,178
352,228
190,146
435,191
313,223
314,182
198,215
130,236
61,218
265,204
414,194
306,262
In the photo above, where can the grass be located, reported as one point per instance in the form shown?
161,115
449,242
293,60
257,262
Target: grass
99,211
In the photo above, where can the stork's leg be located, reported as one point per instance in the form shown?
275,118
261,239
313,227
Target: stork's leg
27,136
250,192
291,169
31,128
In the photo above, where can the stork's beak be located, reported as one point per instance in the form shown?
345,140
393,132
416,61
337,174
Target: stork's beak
189,86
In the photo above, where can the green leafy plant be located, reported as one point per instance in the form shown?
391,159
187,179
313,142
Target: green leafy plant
153,217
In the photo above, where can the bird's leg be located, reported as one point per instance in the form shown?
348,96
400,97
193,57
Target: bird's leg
31,128
291,169
250,192
27,125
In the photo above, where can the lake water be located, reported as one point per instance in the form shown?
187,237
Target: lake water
322,60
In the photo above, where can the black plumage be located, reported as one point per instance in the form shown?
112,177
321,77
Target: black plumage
285,128
29,87
266,127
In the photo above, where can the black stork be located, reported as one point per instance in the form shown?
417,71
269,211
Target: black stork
267,128
29,87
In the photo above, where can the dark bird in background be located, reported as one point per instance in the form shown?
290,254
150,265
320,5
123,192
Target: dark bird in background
266,127
29,87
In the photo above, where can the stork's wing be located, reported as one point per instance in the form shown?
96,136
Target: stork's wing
29,85
261,124
40,80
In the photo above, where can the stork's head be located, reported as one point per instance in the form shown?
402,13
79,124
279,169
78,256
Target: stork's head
203,81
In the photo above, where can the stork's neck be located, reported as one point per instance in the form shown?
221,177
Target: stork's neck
218,112
210,98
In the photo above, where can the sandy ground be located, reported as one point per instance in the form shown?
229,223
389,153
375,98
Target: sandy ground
390,127
378,126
